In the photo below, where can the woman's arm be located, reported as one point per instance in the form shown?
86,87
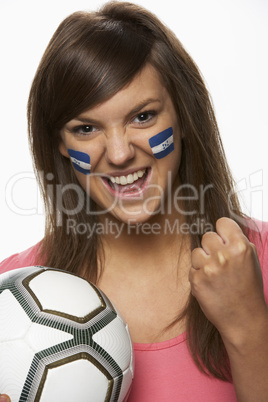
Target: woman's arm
226,280
248,356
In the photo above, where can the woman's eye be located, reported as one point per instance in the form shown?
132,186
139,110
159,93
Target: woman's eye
144,117
84,130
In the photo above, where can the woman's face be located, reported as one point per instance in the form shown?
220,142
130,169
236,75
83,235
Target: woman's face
114,149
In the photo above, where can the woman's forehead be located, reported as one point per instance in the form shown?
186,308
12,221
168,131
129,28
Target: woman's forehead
144,89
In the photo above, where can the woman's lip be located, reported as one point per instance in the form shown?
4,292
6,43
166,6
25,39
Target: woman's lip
125,172
133,194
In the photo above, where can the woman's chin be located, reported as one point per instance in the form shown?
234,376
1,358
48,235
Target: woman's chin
135,216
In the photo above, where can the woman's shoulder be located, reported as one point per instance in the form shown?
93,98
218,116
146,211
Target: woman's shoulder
25,258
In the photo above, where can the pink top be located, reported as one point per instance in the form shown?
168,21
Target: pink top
165,371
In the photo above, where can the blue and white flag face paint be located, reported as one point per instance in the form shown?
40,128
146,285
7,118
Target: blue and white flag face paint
80,160
162,144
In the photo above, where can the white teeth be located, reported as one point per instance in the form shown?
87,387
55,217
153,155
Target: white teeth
129,179
123,180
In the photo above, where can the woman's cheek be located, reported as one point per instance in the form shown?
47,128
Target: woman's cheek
80,161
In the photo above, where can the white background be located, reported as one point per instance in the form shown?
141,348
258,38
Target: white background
228,39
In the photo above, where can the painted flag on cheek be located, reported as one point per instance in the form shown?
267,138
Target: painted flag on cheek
162,143
80,161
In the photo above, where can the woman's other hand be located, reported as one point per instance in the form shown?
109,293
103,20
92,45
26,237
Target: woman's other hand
226,280
4,398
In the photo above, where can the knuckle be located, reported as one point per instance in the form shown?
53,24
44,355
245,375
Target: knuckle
239,247
210,271
222,258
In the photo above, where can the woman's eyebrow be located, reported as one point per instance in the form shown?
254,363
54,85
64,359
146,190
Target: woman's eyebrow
137,108
141,105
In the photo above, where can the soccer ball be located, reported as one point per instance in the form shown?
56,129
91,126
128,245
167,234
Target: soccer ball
61,339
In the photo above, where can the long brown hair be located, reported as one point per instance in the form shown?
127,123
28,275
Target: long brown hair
91,56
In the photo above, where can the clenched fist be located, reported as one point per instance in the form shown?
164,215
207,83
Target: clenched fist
226,280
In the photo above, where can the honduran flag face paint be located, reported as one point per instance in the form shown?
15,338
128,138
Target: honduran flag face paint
80,160
162,143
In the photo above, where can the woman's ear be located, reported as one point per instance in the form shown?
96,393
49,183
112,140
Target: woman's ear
63,150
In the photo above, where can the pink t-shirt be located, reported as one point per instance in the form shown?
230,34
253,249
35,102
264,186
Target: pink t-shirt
165,371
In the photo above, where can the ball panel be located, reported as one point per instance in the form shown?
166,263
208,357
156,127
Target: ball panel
57,356
114,339
65,293
14,322
77,381
15,361
40,337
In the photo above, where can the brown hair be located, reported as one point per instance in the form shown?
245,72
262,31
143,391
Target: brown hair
91,56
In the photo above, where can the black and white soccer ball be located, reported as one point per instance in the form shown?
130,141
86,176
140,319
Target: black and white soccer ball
61,339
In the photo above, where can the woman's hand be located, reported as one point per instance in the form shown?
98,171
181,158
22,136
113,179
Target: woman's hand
4,398
226,280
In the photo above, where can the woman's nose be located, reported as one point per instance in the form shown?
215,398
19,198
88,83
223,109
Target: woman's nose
119,148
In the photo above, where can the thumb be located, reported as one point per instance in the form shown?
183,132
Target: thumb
4,398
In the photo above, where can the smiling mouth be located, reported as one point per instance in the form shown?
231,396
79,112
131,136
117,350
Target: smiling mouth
126,186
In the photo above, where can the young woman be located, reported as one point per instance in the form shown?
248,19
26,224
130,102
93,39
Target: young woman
139,199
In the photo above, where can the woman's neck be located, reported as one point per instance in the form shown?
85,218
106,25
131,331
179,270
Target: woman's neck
146,275
147,244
